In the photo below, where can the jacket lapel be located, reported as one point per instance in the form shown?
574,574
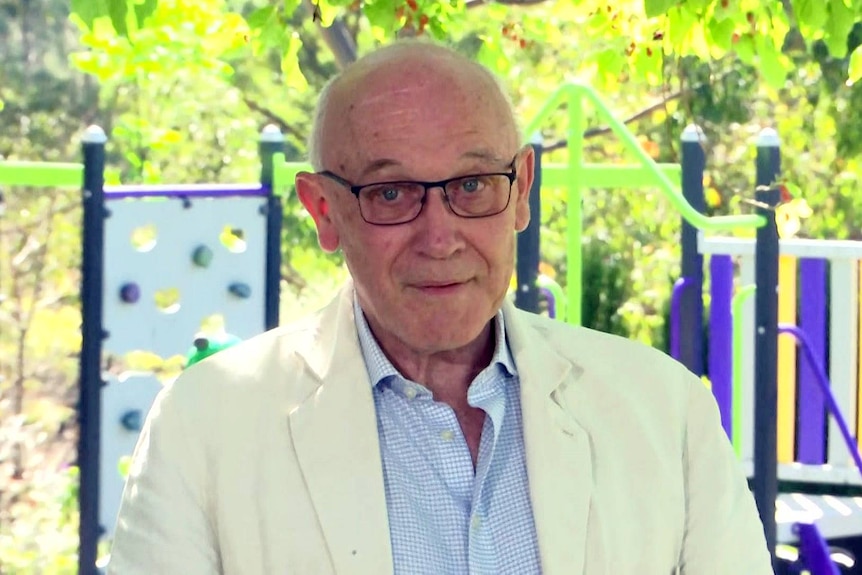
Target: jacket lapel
334,433
559,457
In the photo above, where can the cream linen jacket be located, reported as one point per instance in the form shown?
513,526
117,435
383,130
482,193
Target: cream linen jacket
264,460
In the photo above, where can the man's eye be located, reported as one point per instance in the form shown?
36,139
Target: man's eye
472,185
389,194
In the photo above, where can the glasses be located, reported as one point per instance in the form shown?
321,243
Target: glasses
393,203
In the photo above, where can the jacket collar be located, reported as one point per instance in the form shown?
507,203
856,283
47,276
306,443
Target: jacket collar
334,433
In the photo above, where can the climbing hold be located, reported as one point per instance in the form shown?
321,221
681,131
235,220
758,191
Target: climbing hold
130,292
132,420
202,256
240,290
206,345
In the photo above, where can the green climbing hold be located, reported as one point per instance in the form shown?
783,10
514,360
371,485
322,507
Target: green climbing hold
206,345
202,256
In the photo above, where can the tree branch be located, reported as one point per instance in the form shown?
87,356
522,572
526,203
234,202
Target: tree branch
337,37
272,117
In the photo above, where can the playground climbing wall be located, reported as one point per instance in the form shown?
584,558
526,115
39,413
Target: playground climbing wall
170,263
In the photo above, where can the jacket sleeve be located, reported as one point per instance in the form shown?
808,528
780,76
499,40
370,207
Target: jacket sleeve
723,531
163,525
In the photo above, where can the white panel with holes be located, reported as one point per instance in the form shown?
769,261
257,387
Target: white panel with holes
125,404
169,266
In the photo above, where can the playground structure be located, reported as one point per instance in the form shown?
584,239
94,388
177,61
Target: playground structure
762,436
120,279
815,363
157,263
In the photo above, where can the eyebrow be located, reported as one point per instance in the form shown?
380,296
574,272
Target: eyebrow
484,154
377,165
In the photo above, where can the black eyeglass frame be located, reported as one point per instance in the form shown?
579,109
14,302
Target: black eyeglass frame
356,189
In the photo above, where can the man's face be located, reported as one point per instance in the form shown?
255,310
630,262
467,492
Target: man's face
434,283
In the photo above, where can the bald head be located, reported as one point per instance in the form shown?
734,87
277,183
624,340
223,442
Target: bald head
407,69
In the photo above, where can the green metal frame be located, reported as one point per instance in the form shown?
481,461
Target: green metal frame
736,304
580,175
41,174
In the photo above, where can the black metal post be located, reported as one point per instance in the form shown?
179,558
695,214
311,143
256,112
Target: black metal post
527,265
271,143
92,334
691,299
765,482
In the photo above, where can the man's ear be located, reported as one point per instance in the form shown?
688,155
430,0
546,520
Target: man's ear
525,168
310,191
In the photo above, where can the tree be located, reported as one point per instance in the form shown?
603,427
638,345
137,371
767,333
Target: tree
757,32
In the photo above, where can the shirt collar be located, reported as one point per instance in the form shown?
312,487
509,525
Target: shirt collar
380,368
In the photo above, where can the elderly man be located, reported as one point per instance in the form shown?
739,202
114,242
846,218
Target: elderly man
419,423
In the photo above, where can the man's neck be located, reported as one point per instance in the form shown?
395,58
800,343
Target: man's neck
447,374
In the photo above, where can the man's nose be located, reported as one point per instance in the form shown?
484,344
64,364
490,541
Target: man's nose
439,228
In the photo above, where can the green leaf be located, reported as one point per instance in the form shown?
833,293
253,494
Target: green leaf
143,10
855,70
610,62
293,75
810,13
699,44
680,22
492,56
272,34
647,64
89,10
721,33
381,15
655,8
261,17
744,48
838,27
771,67
118,10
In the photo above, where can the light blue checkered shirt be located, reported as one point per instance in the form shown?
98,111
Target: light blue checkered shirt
443,517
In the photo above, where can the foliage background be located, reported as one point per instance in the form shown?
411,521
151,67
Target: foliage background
183,88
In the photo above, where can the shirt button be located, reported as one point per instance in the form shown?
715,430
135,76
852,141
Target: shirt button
410,393
476,522
447,435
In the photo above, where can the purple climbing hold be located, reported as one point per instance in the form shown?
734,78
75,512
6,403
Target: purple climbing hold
130,292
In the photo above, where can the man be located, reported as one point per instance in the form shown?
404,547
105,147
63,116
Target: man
419,423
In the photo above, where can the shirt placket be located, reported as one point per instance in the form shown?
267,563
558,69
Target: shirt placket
481,547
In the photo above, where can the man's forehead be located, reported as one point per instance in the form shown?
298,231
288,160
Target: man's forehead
414,97
478,157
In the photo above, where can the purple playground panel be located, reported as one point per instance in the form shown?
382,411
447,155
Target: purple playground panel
811,410
675,304
721,337
825,390
185,191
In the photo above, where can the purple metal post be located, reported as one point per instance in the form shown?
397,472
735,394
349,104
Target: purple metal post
675,319
552,301
185,191
813,550
810,437
721,337
826,389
